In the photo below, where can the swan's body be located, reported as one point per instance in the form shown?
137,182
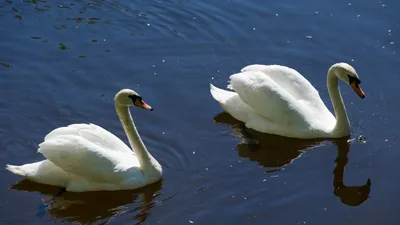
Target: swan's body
278,100
86,157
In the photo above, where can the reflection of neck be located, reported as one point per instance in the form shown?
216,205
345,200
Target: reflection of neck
342,127
135,141
338,172
349,195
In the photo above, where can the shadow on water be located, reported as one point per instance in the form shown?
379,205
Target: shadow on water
90,207
272,151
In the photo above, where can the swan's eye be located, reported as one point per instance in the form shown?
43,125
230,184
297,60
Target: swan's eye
354,79
138,101
135,98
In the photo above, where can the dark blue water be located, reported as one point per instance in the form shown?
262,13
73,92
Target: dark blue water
61,62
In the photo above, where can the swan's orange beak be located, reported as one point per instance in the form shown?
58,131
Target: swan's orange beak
140,103
357,89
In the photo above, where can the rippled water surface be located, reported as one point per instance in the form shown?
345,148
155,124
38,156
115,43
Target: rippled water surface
61,62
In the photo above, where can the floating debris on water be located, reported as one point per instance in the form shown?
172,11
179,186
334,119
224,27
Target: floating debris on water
361,139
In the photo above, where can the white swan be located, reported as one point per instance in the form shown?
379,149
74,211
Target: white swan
86,157
278,100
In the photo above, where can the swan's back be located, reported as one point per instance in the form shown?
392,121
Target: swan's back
288,79
92,133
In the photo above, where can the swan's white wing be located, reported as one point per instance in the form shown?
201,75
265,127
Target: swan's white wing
269,99
77,155
290,80
92,133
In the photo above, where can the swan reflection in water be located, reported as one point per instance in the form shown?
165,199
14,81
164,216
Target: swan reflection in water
274,152
98,206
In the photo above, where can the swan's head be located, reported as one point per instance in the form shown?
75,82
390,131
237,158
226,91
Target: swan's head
128,97
349,75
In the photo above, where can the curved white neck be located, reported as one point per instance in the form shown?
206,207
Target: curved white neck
144,157
342,127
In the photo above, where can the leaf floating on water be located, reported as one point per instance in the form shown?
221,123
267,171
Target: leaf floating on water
108,50
81,56
102,94
94,40
35,38
63,47
18,17
6,65
202,188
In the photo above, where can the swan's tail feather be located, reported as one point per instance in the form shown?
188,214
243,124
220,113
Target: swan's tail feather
17,170
221,95
44,172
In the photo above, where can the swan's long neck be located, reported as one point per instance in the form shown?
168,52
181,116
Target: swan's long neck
144,156
342,127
